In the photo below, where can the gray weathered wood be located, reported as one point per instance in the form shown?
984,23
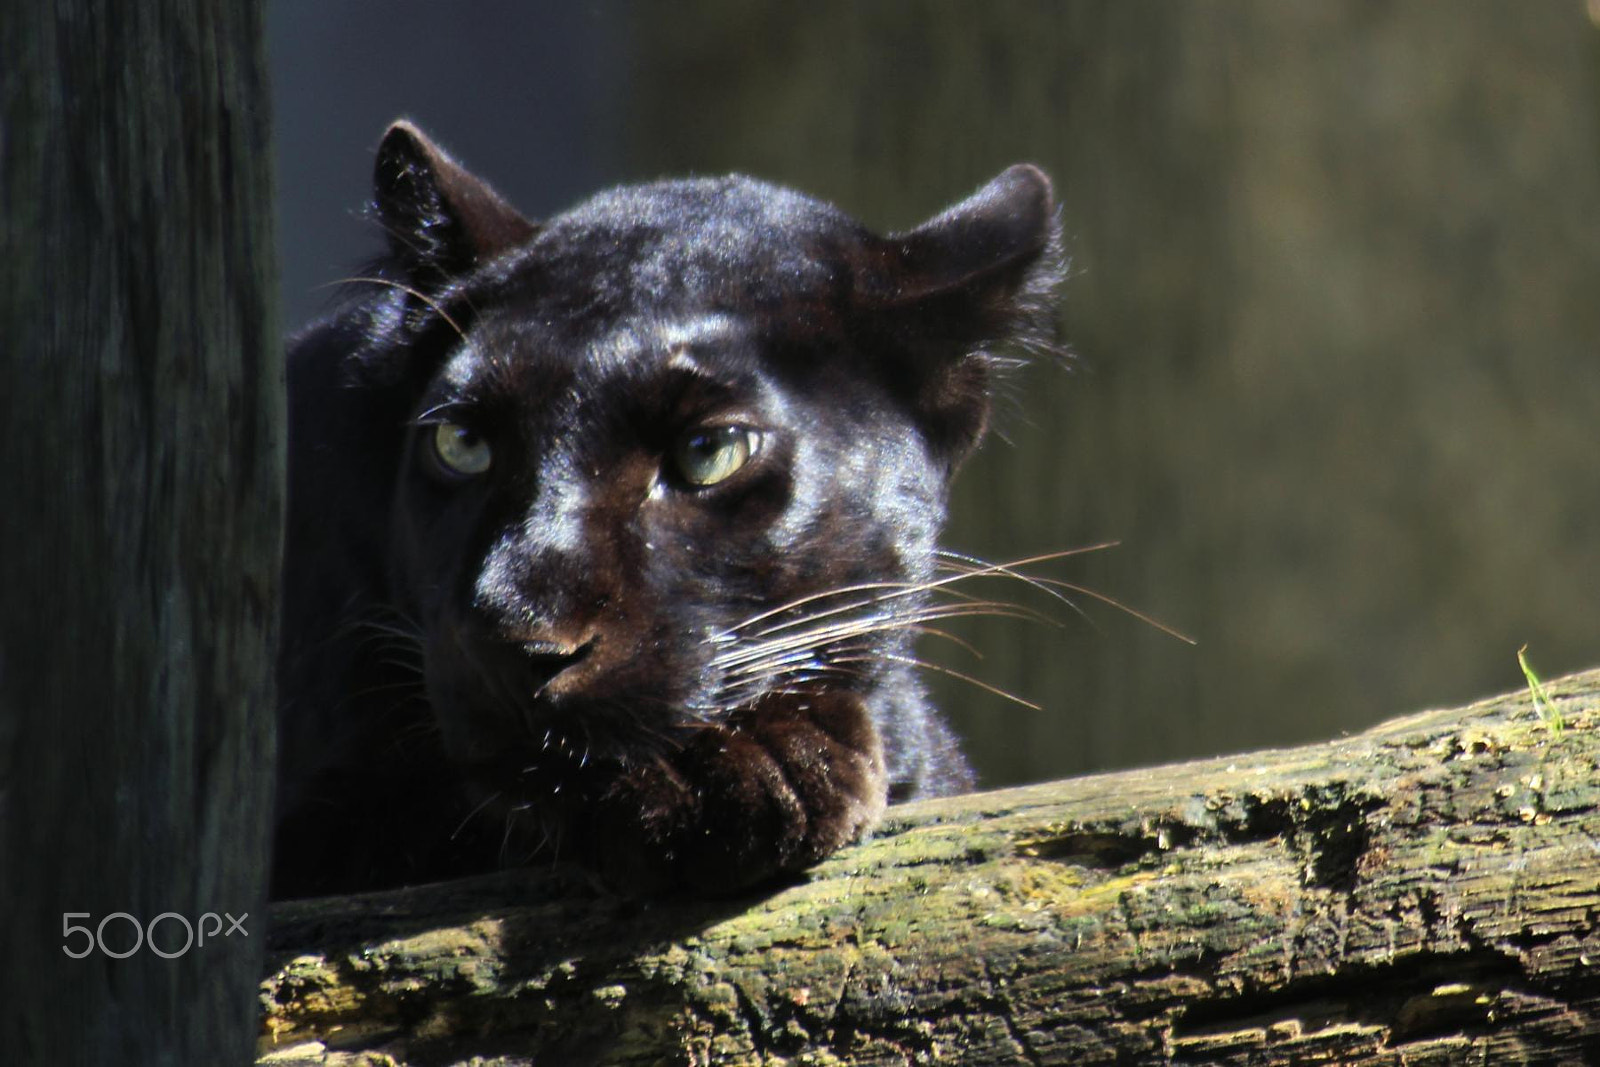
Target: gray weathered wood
139,512
1427,892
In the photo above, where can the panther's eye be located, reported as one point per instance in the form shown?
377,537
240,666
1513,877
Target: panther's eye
711,455
461,450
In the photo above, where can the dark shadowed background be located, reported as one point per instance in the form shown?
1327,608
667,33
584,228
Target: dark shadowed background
1335,305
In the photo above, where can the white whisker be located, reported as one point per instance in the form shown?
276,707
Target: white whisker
923,664
490,799
822,635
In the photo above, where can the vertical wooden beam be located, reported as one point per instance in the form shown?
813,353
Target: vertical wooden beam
140,486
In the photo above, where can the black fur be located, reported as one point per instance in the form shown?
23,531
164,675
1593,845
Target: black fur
563,653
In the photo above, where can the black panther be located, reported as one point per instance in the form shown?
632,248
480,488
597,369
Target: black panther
609,536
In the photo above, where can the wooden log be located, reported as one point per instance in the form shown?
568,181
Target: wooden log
1426,892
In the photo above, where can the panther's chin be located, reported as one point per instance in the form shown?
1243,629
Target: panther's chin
566,748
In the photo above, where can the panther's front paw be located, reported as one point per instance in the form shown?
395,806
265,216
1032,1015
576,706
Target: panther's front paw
778,787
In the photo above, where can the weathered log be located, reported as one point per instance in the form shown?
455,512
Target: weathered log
1427,892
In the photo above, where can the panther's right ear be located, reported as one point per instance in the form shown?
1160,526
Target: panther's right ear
441,220
957,291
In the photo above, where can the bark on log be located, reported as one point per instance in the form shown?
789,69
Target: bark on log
1427,892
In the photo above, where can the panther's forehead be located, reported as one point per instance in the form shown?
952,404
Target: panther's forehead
701,220
684,249
662,370
680,338
692,342
530,355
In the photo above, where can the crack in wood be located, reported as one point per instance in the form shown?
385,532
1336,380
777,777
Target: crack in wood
1323,823
1006,1011
1418,997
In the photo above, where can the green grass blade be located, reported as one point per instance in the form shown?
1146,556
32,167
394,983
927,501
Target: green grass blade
1541,699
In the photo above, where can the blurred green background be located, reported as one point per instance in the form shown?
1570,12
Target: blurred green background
1334,306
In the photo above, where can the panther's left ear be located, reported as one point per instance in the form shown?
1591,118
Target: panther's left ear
955,291
441,219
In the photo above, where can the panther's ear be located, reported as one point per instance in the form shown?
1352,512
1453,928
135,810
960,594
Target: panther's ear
958,290
983,244
441,220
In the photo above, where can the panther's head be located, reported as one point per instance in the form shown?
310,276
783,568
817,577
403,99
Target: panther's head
678,449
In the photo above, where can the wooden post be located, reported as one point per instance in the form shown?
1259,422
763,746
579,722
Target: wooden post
1427,892
139,515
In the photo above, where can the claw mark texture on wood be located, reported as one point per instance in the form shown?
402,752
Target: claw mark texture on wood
1427,892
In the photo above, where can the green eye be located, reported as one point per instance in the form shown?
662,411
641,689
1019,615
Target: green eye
709,456
460,450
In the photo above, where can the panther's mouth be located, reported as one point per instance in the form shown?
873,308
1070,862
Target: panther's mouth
502,698
549,660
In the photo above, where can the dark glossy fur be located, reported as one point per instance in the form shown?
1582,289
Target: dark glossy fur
577,653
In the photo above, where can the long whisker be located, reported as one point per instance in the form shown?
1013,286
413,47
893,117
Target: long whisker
801,601
757,655
830,633
414,665
873,624
934,631
490,799
377,627
925,665
1051,586
736,693
1028,561
410,291
973,568
411,685
905,589
1120,606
